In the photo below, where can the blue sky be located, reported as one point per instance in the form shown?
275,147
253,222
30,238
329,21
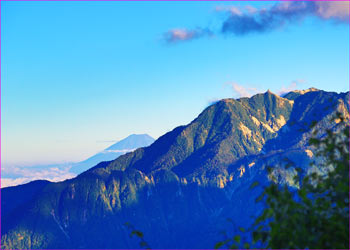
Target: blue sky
76,75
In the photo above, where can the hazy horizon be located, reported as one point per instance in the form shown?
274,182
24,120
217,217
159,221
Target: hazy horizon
76,75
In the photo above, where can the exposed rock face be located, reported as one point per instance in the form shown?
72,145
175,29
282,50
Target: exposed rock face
180,190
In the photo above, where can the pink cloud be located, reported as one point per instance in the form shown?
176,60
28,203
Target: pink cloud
243,91
294,85
232,9
243,20
178,35
333,10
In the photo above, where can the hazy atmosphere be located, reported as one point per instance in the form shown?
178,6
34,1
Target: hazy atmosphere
184,125
76,76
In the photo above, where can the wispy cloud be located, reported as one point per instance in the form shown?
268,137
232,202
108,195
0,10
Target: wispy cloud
231,9
245,20
337,10
292,86
118,151
180,35
243,91
212,101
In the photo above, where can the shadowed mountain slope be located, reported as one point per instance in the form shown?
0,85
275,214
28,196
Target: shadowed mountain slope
180,190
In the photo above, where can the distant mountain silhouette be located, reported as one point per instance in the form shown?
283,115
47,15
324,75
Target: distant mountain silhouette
180,190
126,145
59,172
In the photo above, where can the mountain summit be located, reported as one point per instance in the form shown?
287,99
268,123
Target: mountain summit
180,190
296,93
132,142
121,147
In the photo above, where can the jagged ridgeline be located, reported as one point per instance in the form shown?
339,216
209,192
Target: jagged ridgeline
180,190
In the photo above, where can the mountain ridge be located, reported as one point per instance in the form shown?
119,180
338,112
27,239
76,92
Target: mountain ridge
200,172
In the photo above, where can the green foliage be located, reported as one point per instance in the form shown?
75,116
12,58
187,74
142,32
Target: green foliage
220,244
316,215
235,242
138,234
313,211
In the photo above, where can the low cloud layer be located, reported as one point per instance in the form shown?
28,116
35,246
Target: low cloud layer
245,20
21,175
